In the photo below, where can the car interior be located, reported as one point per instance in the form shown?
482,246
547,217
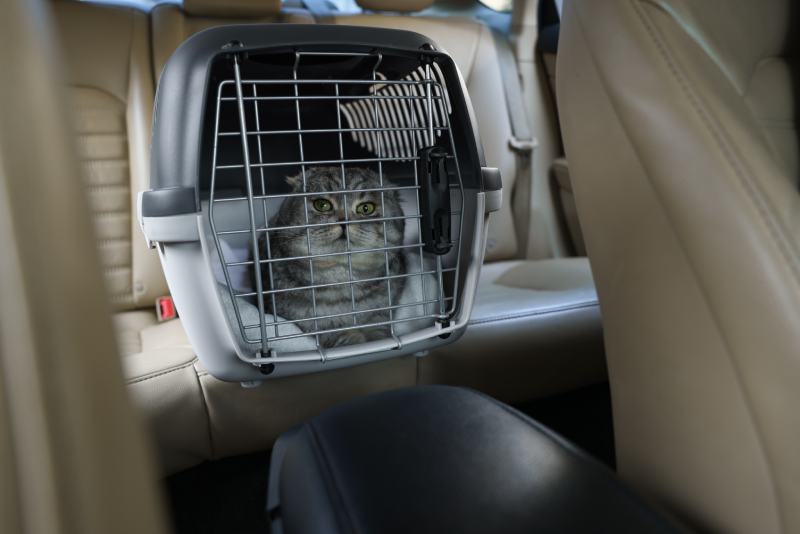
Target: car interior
621,354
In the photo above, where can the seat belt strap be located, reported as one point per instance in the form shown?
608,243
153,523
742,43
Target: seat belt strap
521,139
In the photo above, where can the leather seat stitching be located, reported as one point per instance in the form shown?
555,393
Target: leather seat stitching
751,187
161,373
105,92
718,134
638,10
535,313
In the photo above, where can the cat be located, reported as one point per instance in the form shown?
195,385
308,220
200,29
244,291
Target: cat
328,207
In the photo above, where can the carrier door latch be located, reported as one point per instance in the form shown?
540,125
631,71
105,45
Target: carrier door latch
435,200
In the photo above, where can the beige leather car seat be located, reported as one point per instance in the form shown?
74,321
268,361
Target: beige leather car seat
72,453
108,71
535,328
108,68
679,120
173,24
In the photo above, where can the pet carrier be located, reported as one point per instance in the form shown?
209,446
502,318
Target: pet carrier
319,196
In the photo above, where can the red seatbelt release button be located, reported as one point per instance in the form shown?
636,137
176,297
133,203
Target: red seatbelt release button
165,309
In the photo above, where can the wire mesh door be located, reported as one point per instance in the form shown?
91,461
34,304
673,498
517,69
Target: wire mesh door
347,202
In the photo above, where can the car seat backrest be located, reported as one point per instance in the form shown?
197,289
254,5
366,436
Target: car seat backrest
110,85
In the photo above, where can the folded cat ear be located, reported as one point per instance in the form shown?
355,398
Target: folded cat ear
295,182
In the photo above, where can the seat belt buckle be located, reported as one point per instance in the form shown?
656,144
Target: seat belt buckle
522,146
165,309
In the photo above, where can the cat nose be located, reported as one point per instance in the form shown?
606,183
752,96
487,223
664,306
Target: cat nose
335,232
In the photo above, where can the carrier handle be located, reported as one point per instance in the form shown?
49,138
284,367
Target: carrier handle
435,199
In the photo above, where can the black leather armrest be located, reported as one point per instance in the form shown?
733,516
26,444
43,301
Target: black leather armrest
443,459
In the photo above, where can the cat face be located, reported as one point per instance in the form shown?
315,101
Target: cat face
331,216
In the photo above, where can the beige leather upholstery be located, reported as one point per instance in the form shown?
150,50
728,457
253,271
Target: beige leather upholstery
535,331
108,69
107,63
110,88
139,331
196,417
172,25
72,453
680,127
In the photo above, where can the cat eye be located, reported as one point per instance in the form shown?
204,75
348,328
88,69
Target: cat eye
322,205
365,208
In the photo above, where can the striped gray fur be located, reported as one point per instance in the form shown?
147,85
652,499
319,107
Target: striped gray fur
301,210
